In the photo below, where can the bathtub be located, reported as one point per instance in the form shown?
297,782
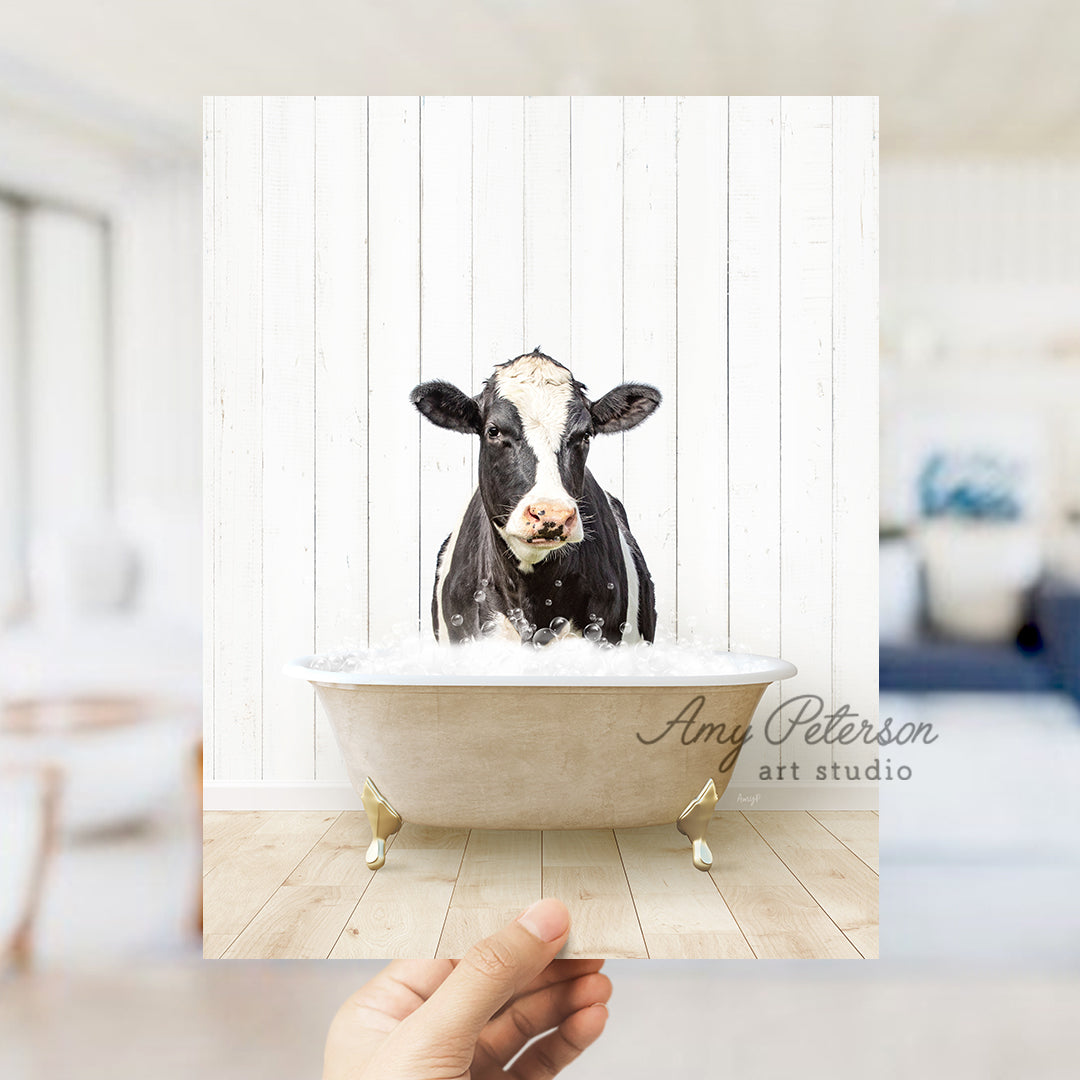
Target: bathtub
523,752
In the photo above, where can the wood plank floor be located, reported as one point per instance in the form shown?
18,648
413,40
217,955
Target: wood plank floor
784,885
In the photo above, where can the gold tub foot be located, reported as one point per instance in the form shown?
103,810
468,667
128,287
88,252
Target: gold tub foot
694,820
384,821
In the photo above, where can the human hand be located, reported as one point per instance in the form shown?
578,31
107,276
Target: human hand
465,1020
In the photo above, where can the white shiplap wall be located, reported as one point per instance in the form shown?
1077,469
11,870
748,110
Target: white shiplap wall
725,250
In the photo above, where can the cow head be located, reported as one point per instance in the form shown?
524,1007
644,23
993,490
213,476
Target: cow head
534,423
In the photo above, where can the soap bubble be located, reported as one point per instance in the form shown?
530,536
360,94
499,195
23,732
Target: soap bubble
596,619
488,627
558,584
558,623
479,596
483,582
625,628
611,584
525,631
543,653
516,613
456,620
547,602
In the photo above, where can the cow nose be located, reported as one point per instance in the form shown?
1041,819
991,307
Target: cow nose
551,515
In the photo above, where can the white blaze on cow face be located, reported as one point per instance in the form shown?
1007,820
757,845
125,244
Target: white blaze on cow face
542,392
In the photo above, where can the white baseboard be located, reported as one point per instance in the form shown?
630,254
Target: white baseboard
274,795
324,795
799,795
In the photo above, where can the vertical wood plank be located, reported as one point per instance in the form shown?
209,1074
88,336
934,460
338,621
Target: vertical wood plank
596,298
499,877
701,402
679,909
547,226
774,909
855,416
856,830
341,392
498,243
583,869
338,857
402,911
394,329
288,424
754,393
298,922
447,458
650,454
237,425
844,886
806,409
241,882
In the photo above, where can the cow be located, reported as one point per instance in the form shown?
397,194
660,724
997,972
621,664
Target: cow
541,550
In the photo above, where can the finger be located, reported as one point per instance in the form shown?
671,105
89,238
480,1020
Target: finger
558,971
398,990
540,1011
369,1015
492,972
548,1056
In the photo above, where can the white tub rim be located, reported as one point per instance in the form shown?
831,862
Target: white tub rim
773,669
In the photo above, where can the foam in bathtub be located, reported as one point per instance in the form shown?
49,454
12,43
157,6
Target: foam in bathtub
569,658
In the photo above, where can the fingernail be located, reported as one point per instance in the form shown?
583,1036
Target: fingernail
546,919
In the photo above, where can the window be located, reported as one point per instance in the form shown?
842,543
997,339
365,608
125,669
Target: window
56,459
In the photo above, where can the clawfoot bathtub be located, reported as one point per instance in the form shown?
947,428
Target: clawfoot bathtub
521,752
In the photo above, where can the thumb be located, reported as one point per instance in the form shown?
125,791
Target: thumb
492,972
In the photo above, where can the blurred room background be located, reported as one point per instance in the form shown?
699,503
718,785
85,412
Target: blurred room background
100,516
100,481
980,548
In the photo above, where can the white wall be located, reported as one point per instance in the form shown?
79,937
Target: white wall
983,254
723,250
980,273
99,351
67,386
12,578
157,386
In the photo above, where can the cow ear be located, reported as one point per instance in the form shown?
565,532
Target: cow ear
444,404
624,407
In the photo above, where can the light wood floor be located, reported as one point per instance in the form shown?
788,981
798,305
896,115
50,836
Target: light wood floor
784,885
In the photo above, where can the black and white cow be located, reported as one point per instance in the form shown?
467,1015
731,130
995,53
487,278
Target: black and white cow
539,533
